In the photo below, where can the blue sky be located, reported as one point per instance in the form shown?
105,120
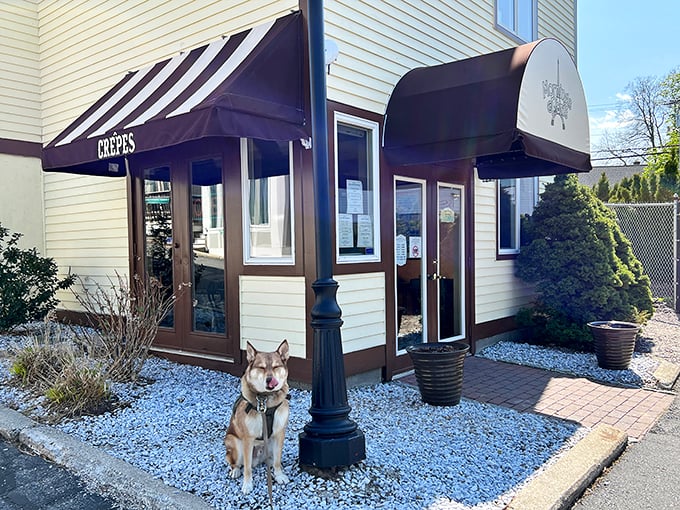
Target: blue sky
618,41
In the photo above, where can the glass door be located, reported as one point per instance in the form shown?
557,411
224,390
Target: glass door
449,275
183,235
409,221
429,261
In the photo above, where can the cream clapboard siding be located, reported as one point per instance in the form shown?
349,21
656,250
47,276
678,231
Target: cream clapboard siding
557,18
86,47
21,199
20,117
21,191
272,308
380,41
362,300
498,293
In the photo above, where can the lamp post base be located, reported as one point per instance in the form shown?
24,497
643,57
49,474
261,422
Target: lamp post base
331,452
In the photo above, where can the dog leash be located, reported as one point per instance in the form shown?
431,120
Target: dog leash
262,409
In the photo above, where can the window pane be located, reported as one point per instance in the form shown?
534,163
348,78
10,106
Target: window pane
507,214
505,14
525,19
207,235
268,199
158,235
356,217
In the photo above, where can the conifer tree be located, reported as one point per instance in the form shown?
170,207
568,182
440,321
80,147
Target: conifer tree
581,264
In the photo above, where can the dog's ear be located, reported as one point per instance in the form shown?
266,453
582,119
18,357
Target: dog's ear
283,350
251,352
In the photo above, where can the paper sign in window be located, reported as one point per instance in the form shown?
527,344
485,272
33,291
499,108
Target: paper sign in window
355,197
400,251
365,231
415,248
345,231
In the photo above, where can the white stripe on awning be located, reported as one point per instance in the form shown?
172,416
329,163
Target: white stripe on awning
141,96
108,104
235,59
181,85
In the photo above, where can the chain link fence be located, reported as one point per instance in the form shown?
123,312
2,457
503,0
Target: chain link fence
652,230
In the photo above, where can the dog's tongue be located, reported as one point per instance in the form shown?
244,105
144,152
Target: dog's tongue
272,383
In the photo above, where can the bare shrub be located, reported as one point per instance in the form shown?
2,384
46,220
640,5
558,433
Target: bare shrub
124,320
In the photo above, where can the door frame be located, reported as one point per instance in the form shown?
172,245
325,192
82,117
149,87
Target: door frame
184,341
458,173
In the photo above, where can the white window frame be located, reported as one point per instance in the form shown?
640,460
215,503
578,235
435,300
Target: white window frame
373,129
519,210
248,258
514,31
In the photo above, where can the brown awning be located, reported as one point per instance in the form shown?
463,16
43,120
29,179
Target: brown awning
246,85
518,112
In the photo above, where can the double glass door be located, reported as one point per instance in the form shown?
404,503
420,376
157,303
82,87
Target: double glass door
429,261
182,234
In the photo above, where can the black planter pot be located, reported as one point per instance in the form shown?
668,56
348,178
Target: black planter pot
439,371
614,343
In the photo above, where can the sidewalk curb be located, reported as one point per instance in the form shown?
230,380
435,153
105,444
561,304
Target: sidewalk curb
558,487
129,485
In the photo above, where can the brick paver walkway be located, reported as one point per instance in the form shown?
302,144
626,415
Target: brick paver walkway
563,396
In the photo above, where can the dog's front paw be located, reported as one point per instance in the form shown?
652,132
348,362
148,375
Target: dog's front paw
281,477
235,472
247,486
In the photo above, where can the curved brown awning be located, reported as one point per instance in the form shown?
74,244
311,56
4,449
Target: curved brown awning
518,112
246,85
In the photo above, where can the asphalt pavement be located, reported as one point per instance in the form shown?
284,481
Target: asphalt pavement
29,482
646,476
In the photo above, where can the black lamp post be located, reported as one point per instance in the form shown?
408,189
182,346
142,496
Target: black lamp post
331,439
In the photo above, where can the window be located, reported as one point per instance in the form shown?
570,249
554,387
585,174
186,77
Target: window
516,197
356,189
267,202
518,18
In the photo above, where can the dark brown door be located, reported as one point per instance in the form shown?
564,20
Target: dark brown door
181,240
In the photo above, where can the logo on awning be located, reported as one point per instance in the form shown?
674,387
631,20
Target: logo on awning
116,145
558,100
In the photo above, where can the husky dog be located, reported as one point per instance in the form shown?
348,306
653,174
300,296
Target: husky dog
264,391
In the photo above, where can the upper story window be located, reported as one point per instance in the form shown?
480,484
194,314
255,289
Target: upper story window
356,189
518,17
516,197
267,176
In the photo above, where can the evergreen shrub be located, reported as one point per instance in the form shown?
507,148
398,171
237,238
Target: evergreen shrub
28,282
582,266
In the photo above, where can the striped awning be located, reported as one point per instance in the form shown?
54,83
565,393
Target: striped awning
246,85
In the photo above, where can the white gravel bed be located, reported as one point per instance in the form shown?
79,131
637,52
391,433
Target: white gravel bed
639,374
418,456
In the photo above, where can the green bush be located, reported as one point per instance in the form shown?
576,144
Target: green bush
582,266
28,282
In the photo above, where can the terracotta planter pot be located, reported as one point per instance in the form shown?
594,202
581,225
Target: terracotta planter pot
614,343
439,371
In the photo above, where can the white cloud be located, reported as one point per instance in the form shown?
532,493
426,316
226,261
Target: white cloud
623,97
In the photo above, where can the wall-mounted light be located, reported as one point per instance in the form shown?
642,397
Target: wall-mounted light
331,52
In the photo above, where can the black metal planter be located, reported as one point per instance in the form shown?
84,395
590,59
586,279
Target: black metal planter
439,371
614,343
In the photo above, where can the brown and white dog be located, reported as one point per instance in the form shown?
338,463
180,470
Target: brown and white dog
264,389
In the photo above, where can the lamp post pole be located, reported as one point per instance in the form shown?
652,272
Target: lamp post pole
331,439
